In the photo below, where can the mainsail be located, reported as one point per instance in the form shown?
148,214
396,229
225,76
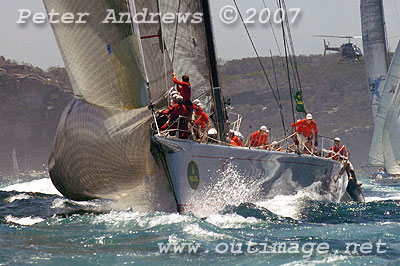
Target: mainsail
391,129
375,48
376,155
187,43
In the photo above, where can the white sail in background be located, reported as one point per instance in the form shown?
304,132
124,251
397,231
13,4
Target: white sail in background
376,157
391,130
15,163
375,49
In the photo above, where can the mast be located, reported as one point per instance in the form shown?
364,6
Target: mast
219,109
375,48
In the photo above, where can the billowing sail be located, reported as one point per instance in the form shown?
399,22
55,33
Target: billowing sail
375,48
186,42
103,59
391,130
376,157
103,145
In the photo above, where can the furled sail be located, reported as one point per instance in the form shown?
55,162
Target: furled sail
103,59
376,157
375,48
186,42
391,130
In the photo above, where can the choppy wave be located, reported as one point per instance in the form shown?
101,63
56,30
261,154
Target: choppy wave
43,185
40,226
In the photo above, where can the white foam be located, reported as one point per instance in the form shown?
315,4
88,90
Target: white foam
198,232
24,221
43,185
387,197
330,259
231,220
232,189
117,219
291,205
17,197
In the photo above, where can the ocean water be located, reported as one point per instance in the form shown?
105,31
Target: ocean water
39,226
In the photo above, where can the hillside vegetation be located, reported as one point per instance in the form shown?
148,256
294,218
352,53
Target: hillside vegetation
32,101
336,94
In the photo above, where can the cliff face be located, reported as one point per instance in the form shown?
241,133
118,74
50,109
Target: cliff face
31,102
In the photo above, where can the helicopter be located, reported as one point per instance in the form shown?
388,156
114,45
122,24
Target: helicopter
348,51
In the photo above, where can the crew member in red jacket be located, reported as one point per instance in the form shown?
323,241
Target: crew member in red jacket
202,123
259,138
176,111
338,149
235,141
306,129
184,88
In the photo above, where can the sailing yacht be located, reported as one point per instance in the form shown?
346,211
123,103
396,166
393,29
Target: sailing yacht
390,174
120,73
384,82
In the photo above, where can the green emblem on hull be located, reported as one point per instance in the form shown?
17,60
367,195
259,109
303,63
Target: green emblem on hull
193,175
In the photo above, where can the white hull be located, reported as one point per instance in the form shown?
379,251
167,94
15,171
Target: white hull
200,173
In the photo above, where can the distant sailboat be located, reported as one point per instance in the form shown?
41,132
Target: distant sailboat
384,89
376,66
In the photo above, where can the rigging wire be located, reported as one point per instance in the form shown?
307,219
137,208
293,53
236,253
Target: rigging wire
293,56
176,34
257,54
279,96
287,62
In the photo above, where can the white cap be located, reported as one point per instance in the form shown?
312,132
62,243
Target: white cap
309,116
196,102
274,143
231,131
179,98
264,128
212,131
337,139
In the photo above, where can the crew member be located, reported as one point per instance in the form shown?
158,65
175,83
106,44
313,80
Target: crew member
177,115
203,124
339,152
276,147
259,138
234,140
184,88
306,129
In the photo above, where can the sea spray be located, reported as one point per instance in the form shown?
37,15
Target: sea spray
232,189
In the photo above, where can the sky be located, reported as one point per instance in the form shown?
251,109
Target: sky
35,44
